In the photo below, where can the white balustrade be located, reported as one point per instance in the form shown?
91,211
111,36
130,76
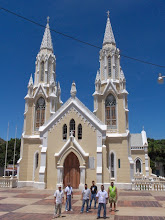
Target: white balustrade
148,185
8,182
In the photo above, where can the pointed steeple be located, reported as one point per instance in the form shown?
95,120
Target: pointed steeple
108,36
30,81
47,40
97,76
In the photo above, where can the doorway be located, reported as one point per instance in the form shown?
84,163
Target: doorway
72,171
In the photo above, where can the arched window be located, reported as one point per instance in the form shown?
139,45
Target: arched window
36,160
110,111
42,71
112,165
64,132
79,131
72,127
109,66
138,166
40,113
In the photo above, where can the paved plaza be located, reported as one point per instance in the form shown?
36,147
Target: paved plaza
27,203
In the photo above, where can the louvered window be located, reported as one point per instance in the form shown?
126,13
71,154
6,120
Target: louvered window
40,113
42,71
110,111
109,66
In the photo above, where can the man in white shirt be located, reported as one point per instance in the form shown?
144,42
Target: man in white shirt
58,200
69,194
102,199
85,198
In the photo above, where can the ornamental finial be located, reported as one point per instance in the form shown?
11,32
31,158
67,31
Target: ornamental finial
48,19
108,13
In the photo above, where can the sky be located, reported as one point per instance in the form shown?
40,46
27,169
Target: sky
139,30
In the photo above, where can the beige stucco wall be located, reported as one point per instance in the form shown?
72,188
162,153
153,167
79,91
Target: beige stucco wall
120,148
26,165
56,142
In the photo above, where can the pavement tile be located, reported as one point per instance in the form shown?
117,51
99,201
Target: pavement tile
160,198
9,207
26,195
138,204
38,209
44,202
22,216
15,191
21,201
138,198
5,194
139,211
138,218
3,213
134,194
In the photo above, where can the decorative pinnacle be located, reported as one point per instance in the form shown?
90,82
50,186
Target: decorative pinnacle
48,18
108,13
73,90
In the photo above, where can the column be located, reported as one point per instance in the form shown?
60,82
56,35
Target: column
60,170
82,177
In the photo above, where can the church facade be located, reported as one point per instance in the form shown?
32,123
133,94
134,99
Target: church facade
67,142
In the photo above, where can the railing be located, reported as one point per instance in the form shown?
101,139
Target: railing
149,185
8,182
137,148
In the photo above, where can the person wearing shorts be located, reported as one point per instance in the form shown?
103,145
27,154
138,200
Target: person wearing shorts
112,193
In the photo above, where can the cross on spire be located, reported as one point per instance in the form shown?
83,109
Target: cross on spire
108,13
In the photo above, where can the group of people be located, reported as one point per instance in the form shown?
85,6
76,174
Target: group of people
101,197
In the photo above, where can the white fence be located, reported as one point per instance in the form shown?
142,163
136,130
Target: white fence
8,182
148,185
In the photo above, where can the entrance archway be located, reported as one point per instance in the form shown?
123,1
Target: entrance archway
72,171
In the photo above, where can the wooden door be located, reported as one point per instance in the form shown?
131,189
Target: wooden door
72,171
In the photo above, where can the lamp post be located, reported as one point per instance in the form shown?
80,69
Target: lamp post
161,78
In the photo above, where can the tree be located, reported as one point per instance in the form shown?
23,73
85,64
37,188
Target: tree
156,152
10,151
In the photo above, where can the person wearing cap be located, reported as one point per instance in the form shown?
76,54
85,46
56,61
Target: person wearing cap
58,201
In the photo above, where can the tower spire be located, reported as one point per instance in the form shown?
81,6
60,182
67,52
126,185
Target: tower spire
47,40
108,36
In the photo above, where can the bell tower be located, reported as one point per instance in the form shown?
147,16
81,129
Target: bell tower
44,94
110,96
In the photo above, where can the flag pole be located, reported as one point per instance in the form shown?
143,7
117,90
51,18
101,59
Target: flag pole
14,149
6,150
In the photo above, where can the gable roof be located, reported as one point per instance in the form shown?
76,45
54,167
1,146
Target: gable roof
110,85
136,140
41,90
81,108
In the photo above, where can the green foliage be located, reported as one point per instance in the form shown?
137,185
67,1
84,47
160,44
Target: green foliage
156,151
10,151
